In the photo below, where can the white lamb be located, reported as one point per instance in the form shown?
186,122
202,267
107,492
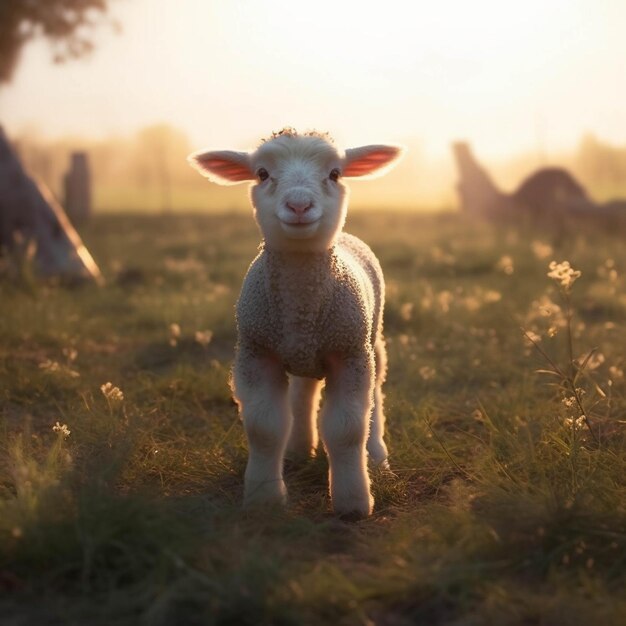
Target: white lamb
311,307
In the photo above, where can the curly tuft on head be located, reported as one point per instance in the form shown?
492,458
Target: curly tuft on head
289,131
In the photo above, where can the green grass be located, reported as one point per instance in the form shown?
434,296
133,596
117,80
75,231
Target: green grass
500,512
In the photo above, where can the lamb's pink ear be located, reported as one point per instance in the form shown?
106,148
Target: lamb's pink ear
370,161
225,167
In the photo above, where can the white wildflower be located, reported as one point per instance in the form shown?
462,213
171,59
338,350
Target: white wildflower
70,353
532,336
203,337
491,295
607,270
55,367
49,366
505,264
62,428
406,311
541,250
577,423
564,274
427,372
113,394
472,303
477,415
444,299
174,334
403,340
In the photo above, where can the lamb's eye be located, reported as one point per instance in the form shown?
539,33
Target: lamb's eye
263,174
334,174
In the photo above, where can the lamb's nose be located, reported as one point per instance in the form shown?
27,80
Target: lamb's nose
299,207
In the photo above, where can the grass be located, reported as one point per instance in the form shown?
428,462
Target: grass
504,509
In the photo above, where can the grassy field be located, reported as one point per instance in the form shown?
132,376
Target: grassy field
506,508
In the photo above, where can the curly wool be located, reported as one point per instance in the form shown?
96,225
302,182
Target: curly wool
302,307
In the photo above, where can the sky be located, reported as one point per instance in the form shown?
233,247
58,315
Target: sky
508,76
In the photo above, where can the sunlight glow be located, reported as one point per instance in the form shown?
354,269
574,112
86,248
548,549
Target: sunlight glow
508,77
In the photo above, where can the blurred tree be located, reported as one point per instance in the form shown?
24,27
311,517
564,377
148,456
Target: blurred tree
602,164
65,23
32,223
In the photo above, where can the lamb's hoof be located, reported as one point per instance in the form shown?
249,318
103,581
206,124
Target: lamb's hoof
384,469
352,517
272,493
353,509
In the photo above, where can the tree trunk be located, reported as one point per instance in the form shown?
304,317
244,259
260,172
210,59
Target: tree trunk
34,225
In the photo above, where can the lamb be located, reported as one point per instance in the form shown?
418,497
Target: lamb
310,309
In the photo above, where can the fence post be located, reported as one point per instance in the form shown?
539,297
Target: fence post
77,184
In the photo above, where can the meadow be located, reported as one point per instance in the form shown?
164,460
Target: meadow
120,503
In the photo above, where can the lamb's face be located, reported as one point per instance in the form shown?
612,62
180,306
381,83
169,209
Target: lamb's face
297,193
298,197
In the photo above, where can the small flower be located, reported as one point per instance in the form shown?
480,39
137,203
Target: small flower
113,394
62,428
49,366
569,401
491,295
541,250
406,311
564,274
472,303
532,336
444,299
404,340
54,367
70,354
577,423
203,337
477,415
174,334
505,264
426,302
607,270
427,372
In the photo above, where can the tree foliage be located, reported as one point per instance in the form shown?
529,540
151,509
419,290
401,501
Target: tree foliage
65,23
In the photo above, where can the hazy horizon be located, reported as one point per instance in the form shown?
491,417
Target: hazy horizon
147,170
520,83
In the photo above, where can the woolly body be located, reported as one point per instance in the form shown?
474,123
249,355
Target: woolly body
303,307
310,309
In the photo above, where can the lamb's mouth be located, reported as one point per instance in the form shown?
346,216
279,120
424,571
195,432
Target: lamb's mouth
299,230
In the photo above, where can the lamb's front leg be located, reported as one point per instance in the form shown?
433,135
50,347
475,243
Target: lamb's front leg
260,388
344,425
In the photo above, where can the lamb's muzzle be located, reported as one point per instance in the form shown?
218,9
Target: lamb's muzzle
310,309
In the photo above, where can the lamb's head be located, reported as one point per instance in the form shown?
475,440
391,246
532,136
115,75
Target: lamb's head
297,193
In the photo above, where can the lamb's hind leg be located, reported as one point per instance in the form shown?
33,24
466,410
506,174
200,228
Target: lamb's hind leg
376,447
344,428
260,388
304,398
